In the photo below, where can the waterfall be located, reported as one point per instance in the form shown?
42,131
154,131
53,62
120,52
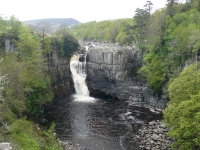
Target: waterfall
78,70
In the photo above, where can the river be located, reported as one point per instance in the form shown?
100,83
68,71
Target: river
87,123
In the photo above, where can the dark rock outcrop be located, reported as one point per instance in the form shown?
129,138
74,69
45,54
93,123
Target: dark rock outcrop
112,69
61,81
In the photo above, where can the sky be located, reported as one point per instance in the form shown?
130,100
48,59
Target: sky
81,10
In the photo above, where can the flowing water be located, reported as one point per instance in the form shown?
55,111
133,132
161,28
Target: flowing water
87,123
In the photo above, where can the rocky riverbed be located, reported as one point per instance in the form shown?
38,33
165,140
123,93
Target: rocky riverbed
153,136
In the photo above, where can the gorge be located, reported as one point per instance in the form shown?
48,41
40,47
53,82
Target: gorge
126,84
116,109
111,70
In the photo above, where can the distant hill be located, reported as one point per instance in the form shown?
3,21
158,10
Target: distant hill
54,23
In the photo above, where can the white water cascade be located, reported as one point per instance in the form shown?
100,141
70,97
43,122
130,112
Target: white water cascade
78,70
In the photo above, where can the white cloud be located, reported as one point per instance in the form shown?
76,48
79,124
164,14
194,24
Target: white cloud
82,10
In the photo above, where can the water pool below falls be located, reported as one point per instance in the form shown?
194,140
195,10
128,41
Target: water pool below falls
87,123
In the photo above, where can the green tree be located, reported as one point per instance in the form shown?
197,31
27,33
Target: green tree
70,45
172,2
13,28
24,88
35,81
14,88
2,86
182,114
109,30
148,7
27,44
141,19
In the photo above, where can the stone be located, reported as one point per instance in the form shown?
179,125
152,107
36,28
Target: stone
158,139
62,83
5,146
157,147
115,63
155,137
163,125
152,142
152,123
110,58
155,131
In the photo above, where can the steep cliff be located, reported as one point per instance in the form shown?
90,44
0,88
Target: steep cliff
61,81
9,45
112,69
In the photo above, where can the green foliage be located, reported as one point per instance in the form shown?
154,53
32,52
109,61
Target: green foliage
110,30
22,134
195,4
141,20
65,44
182,113
41,95
156,66
27,43
36,84
50,137
26,77
70,45
122,38
14,89
12,28
46,45
169,41
2,26
57,43
9,29
25,135
26,88
2,86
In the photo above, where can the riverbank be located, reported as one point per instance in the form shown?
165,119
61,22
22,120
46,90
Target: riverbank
152,136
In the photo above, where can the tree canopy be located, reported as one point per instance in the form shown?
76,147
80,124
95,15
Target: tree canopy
110,30
25,86
182,115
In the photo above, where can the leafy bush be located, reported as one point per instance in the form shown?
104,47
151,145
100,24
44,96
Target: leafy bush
24,88
109,30
65,44
70,45
182,115
24,135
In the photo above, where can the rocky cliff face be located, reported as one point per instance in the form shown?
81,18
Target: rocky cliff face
62,83
9,45
112,69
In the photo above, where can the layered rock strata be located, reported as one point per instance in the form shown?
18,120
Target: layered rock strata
112,69
61,81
